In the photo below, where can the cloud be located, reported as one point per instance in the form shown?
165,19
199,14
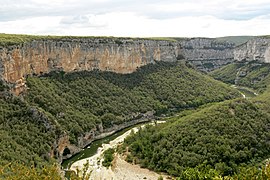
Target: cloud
226,9
84,21
223,9
184,18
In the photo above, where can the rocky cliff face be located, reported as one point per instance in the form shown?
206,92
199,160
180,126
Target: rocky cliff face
63,149
110,54
122,56
257,49
207,54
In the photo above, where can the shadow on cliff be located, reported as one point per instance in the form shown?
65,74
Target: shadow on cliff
128,81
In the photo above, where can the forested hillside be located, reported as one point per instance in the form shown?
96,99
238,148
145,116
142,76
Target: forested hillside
24,137
250,74
81,100
223,139
76,102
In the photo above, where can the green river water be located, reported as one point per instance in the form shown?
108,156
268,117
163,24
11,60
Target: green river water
246,91
92,148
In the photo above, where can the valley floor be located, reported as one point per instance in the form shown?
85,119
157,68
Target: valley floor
124,171
120,168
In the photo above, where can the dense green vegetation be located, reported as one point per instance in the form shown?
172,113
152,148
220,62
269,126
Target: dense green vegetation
250,74
17,39
223,137
79,101
108,157
74,103
227,73
3,87
201,173
206,139
18,171
24,137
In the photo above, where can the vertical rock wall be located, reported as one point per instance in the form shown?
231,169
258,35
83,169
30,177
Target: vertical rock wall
121,56
207,54
257,49
108,54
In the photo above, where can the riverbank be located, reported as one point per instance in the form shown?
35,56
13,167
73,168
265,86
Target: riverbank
120,169
245,91
92,144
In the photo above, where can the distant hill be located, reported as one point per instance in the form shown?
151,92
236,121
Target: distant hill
250,74
237,40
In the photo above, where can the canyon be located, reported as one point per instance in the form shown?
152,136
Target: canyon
121,55
62,148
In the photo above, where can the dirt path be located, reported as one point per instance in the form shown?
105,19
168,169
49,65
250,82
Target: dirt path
121,170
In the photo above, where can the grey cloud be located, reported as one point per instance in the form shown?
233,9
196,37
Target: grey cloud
245,12
82,21
18,9
75,20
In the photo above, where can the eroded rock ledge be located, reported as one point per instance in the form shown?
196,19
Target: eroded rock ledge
257,49
42,56
107,54
63,149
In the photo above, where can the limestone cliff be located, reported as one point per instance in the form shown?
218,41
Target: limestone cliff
207,54
43,56
63,149
121,55
257,49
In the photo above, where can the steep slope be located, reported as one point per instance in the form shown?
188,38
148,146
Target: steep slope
26,134
221,139
62,112
24,55
87,100
227,73
256,49
250,74
207,54
216,140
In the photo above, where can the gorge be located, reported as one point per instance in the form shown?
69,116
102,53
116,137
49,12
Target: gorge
73,90
120,55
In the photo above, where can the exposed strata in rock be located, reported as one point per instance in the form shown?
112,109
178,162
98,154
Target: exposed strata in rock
63,144
257,49
119,55
110,54
207,54
43,56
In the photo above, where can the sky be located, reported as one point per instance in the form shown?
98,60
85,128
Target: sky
137,18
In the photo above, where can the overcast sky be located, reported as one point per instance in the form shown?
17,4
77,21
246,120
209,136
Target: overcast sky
138,18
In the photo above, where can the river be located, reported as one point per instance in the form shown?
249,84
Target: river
92,148
94,156
245,91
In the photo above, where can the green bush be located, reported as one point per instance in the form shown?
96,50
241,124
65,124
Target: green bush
224,137
108,157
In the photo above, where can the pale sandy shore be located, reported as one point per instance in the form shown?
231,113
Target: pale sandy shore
121,169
